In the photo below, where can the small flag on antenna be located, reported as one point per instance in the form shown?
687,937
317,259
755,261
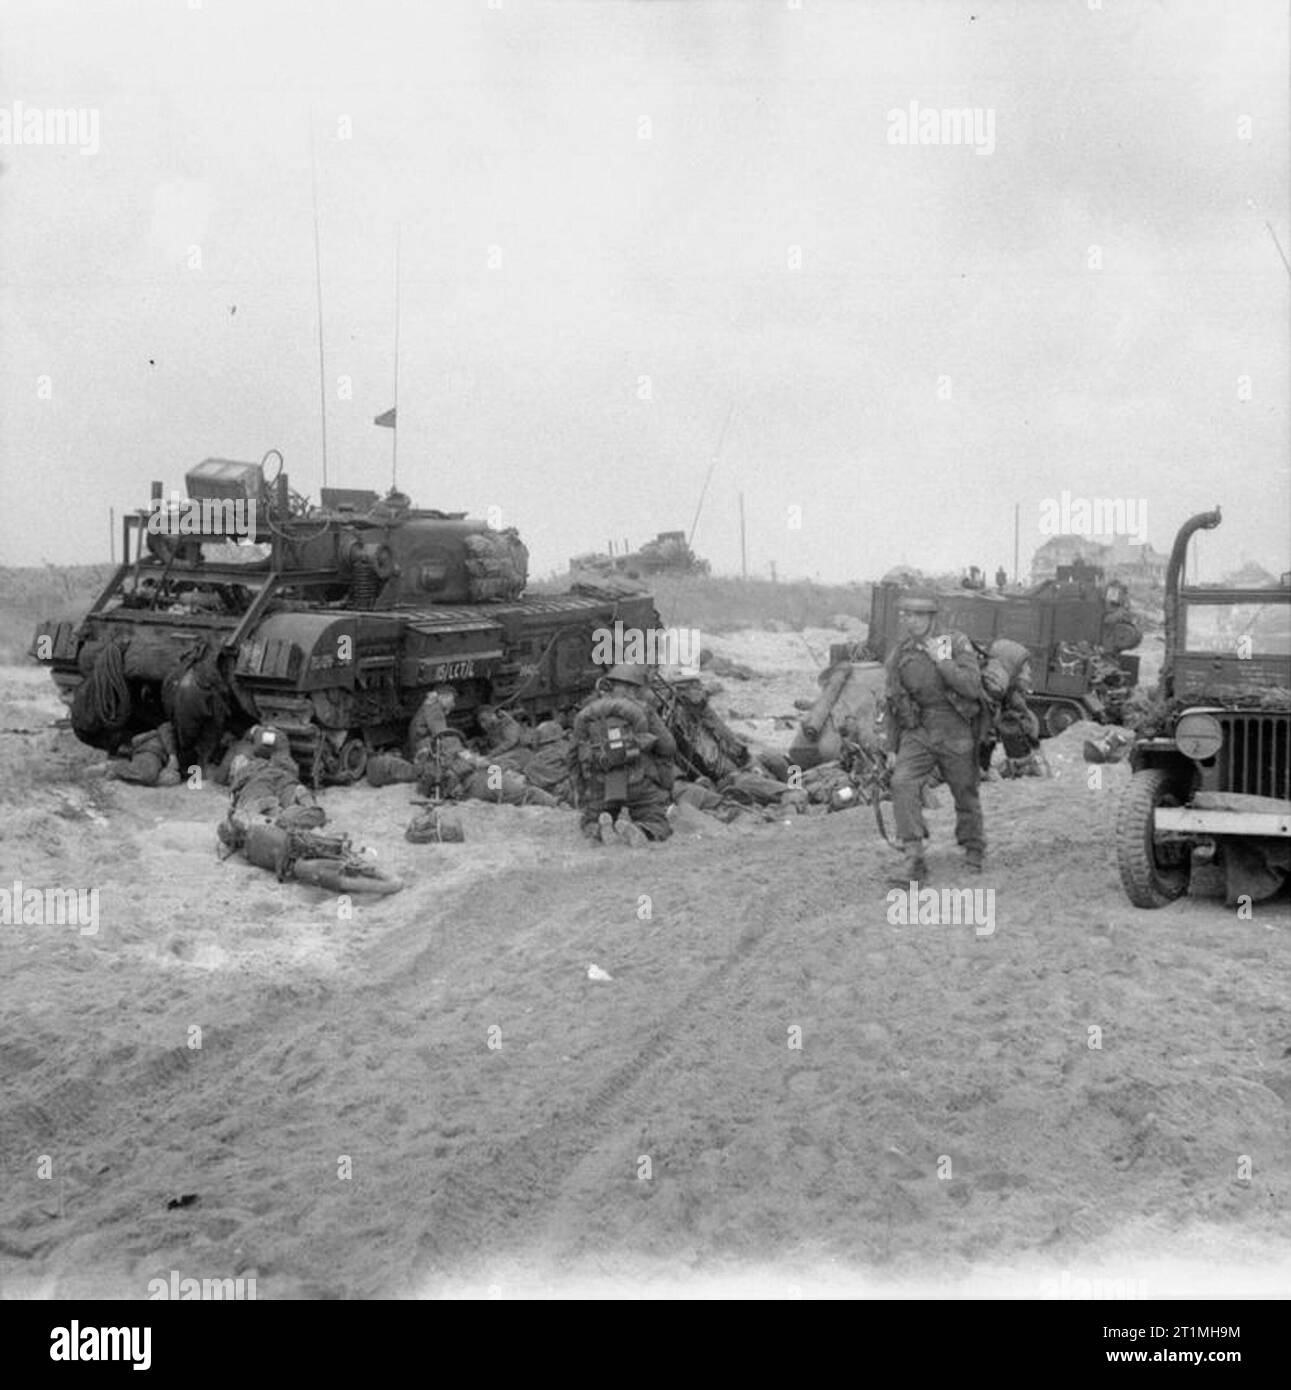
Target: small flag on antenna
386,418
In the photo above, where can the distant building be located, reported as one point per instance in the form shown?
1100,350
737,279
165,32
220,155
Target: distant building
905,575
1134,561
1064,550
1251,576
1119,558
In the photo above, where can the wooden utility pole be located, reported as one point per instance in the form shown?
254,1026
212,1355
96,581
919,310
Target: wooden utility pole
744,559
1017,522
112,534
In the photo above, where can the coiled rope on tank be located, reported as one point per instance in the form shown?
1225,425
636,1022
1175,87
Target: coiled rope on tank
105,696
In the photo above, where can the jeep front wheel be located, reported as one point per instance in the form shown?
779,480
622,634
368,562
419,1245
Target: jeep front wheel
1152,874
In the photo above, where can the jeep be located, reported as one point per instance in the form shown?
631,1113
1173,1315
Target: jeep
1211,782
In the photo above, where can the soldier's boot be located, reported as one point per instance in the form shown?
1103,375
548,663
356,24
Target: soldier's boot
913,868
605,825
628,831
975,859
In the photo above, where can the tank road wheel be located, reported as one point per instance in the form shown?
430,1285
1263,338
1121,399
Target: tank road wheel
1059,717
351,761
1152,874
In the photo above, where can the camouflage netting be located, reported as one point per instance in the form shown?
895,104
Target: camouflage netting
1270,697
497,565
1148,713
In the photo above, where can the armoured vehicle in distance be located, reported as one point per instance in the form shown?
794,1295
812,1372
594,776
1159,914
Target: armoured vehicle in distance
242,604
1211,782
1077,627
668,553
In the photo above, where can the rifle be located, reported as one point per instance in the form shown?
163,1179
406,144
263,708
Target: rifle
686,720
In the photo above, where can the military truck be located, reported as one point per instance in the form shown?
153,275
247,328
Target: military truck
1078,628
240,602
1211,784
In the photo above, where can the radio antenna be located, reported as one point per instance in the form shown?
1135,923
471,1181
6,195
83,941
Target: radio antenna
394,433
1278,244
318,287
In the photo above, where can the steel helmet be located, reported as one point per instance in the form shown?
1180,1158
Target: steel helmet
917,601
628,675
548,732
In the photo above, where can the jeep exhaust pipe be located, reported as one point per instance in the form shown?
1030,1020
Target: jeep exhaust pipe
1203,521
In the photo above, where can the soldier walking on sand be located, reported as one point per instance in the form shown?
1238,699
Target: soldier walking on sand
934,696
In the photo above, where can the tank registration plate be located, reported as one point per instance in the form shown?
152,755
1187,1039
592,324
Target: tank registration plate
452,671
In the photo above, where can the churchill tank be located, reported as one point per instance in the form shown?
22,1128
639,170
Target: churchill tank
241,602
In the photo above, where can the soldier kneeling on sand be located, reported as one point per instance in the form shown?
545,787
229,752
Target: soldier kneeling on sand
1008,719
623,761
430,721
1019,732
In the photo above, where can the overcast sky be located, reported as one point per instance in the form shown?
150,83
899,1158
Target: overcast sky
625,224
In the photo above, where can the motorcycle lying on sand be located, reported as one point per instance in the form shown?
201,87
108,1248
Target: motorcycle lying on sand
305,855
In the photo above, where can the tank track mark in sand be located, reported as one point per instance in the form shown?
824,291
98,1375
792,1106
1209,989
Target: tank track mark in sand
514,1184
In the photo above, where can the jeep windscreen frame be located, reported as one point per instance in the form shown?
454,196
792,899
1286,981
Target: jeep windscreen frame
1244,626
